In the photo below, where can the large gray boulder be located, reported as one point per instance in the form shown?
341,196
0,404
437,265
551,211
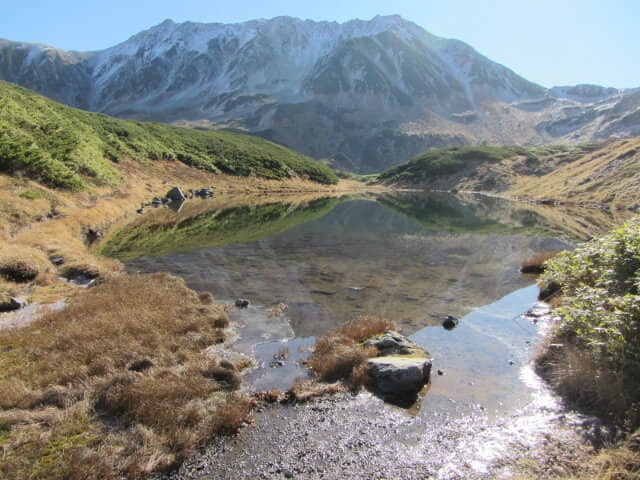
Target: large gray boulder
399,375
402,368
394,343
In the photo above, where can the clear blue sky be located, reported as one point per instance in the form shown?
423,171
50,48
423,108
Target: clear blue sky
560,42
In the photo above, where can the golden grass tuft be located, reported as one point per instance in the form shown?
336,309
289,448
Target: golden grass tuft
78,363
22,264
304,390
575,376
340,355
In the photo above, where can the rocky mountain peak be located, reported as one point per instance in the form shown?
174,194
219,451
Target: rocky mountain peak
370,92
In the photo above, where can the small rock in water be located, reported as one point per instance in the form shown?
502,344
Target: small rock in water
242,303
511,362
450,322
440,372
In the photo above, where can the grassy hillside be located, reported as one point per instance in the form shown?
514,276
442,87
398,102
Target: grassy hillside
606,172
438,162
68,148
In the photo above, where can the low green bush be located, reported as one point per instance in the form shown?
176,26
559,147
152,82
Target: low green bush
66,148
598,286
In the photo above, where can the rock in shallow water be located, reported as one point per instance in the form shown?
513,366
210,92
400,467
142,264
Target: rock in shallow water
399,374
394,343
402,368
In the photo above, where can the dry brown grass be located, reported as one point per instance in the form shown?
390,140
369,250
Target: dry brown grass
304,390
607,175
581,462
76,366
22,264
535,264
119,382
573,374
54,222
340,356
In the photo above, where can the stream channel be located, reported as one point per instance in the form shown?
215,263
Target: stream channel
308,266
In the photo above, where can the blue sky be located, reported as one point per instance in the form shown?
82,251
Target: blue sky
561,42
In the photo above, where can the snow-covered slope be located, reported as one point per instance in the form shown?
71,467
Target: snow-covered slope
375,91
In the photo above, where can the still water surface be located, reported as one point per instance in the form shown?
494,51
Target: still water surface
412,258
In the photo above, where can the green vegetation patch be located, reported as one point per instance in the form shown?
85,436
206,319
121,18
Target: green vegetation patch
31,195
451,160
66,148
599,287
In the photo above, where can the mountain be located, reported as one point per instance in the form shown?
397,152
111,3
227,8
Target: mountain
368,94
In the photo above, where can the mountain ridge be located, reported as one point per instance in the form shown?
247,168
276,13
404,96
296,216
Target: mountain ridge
377,91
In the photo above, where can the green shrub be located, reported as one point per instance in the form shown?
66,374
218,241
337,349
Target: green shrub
31,195
64,147
599,286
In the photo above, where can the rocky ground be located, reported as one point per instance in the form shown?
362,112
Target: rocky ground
360,437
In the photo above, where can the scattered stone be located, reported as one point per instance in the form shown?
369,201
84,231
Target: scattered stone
204,193
440,372
12,304
57,260
450,322
140,211
276,364
242,303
